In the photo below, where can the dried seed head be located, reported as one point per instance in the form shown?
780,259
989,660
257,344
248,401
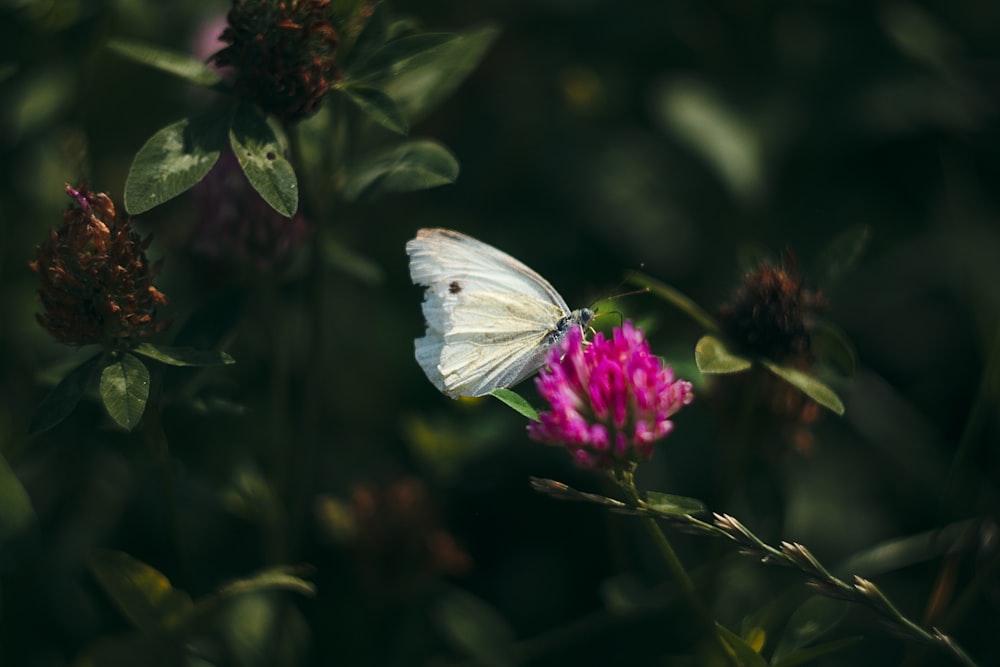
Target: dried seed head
284,54
97,283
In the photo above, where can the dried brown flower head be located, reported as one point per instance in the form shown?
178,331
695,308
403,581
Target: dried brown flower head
769,316
283,53
97,283
770,313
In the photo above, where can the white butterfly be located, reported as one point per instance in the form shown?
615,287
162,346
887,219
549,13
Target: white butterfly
490,319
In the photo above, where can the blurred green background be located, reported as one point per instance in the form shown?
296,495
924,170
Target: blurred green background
596,136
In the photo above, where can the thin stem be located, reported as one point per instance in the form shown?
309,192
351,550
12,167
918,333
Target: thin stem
976,420
301,452
156,439
277,548
789,554
862,591
706,623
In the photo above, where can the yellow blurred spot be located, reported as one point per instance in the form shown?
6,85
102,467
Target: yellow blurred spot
335,520
756,638
582,89
437,445
466,401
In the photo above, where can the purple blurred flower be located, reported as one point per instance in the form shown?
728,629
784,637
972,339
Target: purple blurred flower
611,399
208,38
234,223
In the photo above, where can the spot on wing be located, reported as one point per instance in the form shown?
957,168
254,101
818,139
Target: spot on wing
455,287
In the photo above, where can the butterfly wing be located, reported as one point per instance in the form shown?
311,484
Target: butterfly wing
489,317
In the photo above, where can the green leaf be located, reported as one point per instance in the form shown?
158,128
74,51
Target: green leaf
342,257
279,578
624,594
745,654
908,550
421,81
666,503
183,356
16,512
841,255
809,385
174,159
698,114
807,655
365,30
172,62
377,105
813,619
475,629
261,154
833,348
61,401
677,298
412,165
393,58
514,401
711,355
139,591
124,390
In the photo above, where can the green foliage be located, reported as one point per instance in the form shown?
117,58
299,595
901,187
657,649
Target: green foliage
475,628
421,71
697,114
377,105
677,299
712,357
124,389
811,621
393,80
61,401
172,62
142,594
809,386
16,512
260,149
841,255
806,655
672,504
183,356
746,655
347,260
172,626
833,349
591,140
393,56
413,165
516,402
174,159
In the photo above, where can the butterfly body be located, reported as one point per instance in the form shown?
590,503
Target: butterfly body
490,319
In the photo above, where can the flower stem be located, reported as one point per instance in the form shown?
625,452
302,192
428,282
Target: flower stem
788,554
706,624
151,428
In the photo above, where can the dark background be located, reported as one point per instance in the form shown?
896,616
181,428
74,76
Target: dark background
595,136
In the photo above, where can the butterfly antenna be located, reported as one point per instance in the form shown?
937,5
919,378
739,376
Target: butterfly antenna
616,294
